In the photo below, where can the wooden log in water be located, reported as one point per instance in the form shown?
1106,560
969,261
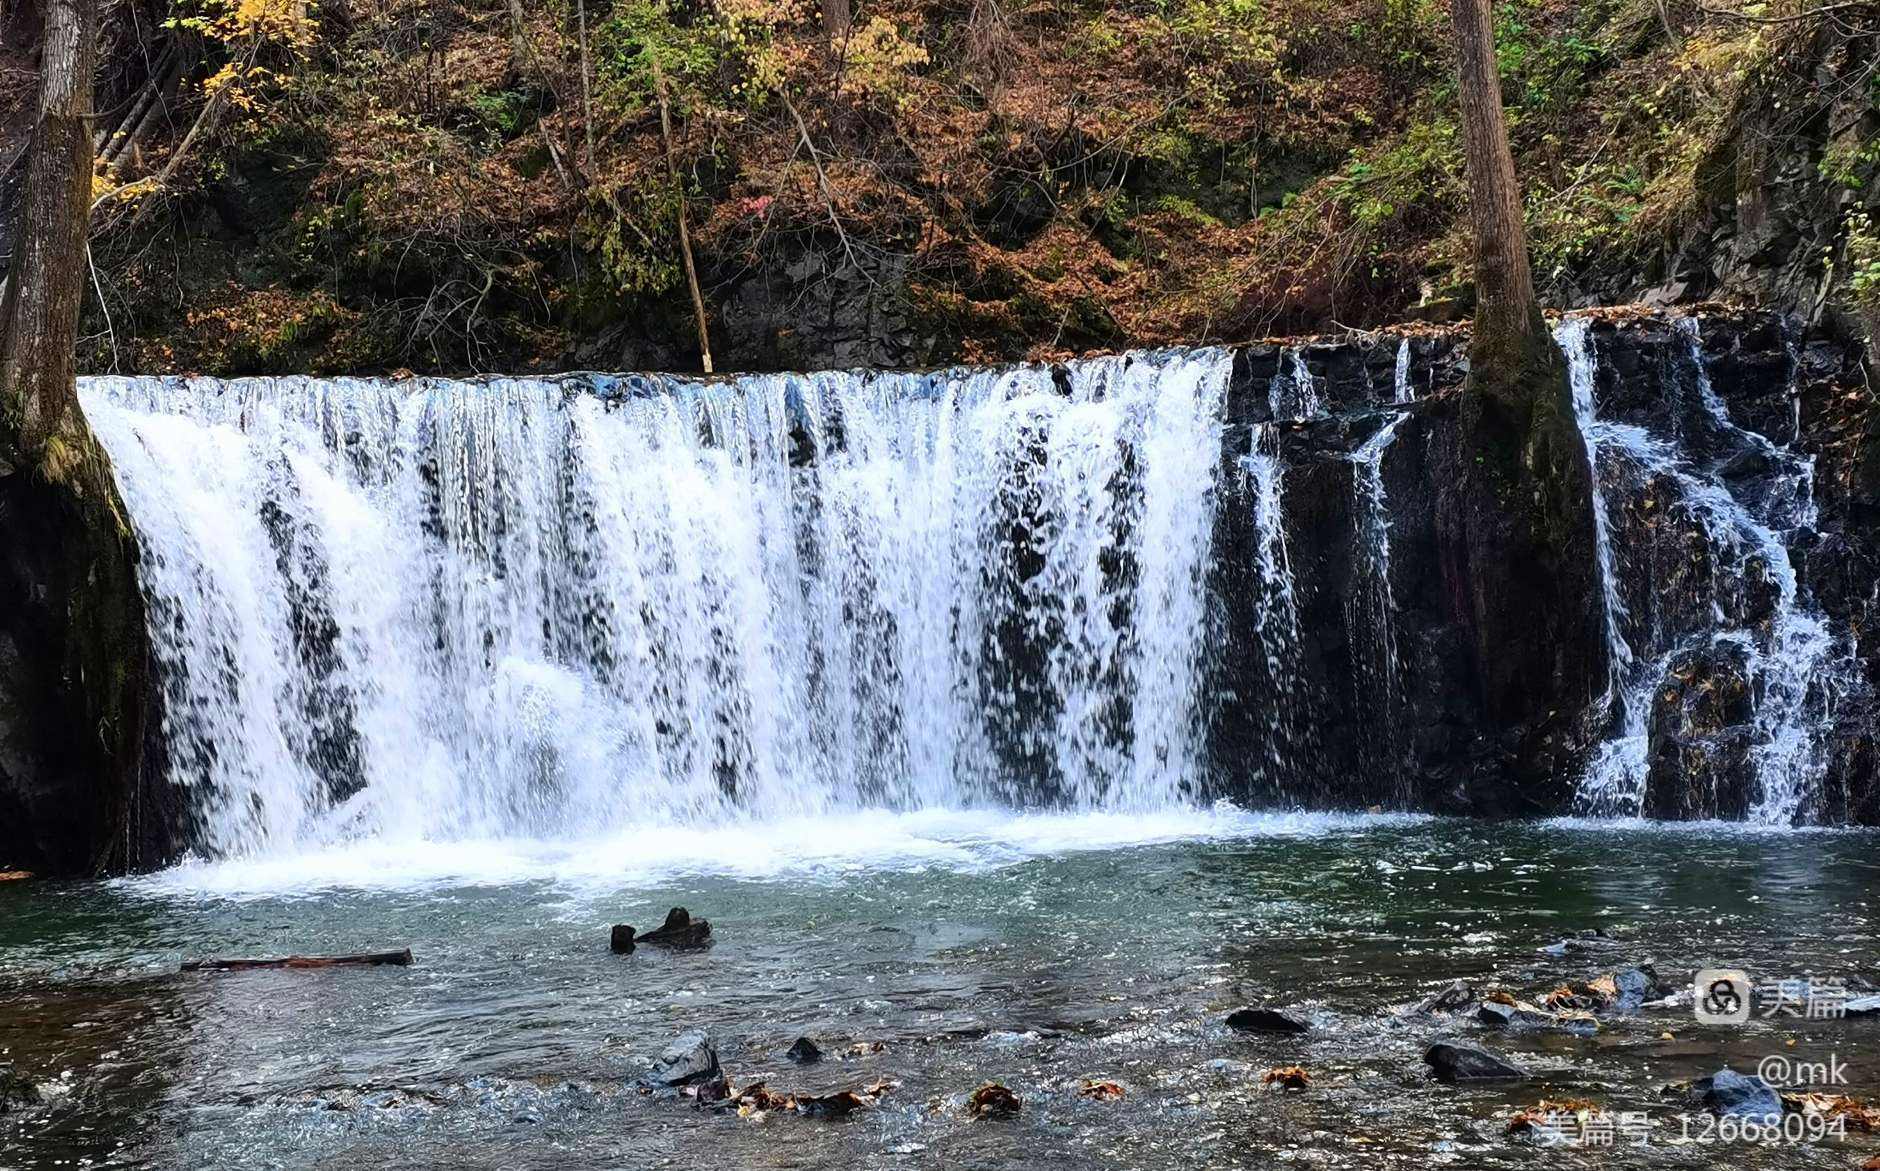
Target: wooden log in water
369,959
679,930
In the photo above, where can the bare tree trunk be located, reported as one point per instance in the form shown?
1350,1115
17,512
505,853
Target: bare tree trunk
39,312
72,636
837,18
1517,515
685,231
1506,311
587,101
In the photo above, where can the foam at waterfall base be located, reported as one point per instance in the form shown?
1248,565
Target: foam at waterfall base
810,848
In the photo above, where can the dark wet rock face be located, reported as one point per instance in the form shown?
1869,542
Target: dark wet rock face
1712,511
1465,1063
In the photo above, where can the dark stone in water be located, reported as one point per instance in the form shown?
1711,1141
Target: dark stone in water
1730,1094
715,1087
679,930
622,940
804,1052
1636,986
691,1058
1264,1020
1457,996
16,1090
1465,1063
1521,1017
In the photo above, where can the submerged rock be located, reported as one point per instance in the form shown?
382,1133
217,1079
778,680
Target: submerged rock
690,1058
1264,1020
16,1090
804,1052
1464,1063
1730,1094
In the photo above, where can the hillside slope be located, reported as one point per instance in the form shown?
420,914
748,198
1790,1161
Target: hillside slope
463,185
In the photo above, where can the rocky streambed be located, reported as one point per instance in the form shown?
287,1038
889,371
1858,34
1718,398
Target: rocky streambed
1091,972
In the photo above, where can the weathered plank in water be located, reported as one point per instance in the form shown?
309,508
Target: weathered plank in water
369,959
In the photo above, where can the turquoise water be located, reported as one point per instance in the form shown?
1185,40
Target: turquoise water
1036,951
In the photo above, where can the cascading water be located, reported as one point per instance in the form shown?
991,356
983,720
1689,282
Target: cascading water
1373,604
551,609
530,608
1755,617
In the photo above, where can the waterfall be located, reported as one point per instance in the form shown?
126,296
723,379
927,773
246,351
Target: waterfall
1796,670
1372,603
1294,393
1614,783
523,607
1403,392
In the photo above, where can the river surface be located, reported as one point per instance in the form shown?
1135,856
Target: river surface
947,950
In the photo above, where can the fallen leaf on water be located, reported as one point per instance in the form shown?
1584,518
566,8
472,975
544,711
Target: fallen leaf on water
1548,1112
992,1100
1859,1115
1287,1077
1102,1091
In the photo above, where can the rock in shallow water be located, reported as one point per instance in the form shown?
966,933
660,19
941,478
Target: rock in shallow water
679,930
1728,1093
16,1091
690,1058
1498,1014
1465,1063
1264,1020
804,1052
1457,996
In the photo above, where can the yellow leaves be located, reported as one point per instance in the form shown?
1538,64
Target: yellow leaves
881,61
284,22
764,13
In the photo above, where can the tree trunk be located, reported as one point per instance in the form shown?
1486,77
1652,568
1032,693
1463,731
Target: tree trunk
1519,521
685,230
39,313
73,645
837,18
